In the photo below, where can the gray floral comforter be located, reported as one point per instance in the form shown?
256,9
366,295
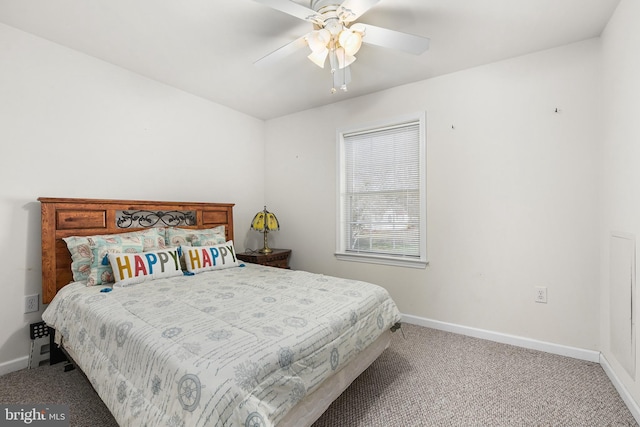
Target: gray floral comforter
235,347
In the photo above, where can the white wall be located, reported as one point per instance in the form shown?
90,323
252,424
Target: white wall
74,126
513,193
621,156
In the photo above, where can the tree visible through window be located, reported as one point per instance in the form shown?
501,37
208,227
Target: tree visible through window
382,203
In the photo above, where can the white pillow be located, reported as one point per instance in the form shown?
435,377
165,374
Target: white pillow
204,258
129,269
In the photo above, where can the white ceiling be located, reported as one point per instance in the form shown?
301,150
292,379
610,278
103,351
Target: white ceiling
207,47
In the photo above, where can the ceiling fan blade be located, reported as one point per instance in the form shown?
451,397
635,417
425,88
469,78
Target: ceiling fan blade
392,39
282,52
356,8
293,9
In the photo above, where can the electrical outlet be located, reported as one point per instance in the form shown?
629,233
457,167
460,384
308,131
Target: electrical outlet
31,303
541,294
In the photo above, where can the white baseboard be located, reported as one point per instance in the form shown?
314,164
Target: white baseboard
576,353
622,390
14,365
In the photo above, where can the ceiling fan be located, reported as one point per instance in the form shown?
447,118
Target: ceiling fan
337,37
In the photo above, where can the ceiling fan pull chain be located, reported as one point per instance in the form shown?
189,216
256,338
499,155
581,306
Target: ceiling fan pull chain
344,73
333,73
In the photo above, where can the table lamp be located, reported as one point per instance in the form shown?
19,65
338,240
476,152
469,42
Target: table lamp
265,221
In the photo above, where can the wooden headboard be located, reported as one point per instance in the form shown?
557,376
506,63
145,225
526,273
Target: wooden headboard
89,217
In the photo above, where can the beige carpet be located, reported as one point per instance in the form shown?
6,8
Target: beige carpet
427,378
435,378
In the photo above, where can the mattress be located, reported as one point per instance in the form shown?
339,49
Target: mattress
241,346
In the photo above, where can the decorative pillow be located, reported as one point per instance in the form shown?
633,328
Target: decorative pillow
100,270
129,269
86,264
81,257
190,237
153,239
203,258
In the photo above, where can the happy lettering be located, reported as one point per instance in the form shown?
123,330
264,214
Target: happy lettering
203,257
145,264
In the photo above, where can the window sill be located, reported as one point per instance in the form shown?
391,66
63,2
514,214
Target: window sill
377,259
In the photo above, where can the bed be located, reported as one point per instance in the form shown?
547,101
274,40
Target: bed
221,343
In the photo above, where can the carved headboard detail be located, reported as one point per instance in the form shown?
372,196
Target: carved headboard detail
63,217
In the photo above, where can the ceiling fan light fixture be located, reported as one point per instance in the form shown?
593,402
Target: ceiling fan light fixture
336,34
350,40
318,40
319,57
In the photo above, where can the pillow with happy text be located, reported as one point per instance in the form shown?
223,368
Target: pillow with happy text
204,258
129,269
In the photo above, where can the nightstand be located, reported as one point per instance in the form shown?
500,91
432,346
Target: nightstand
277,258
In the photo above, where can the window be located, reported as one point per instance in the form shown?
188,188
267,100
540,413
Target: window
382,193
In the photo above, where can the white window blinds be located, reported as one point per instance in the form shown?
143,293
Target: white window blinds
381,196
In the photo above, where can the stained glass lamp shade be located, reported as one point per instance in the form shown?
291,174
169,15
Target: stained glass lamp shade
265,221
